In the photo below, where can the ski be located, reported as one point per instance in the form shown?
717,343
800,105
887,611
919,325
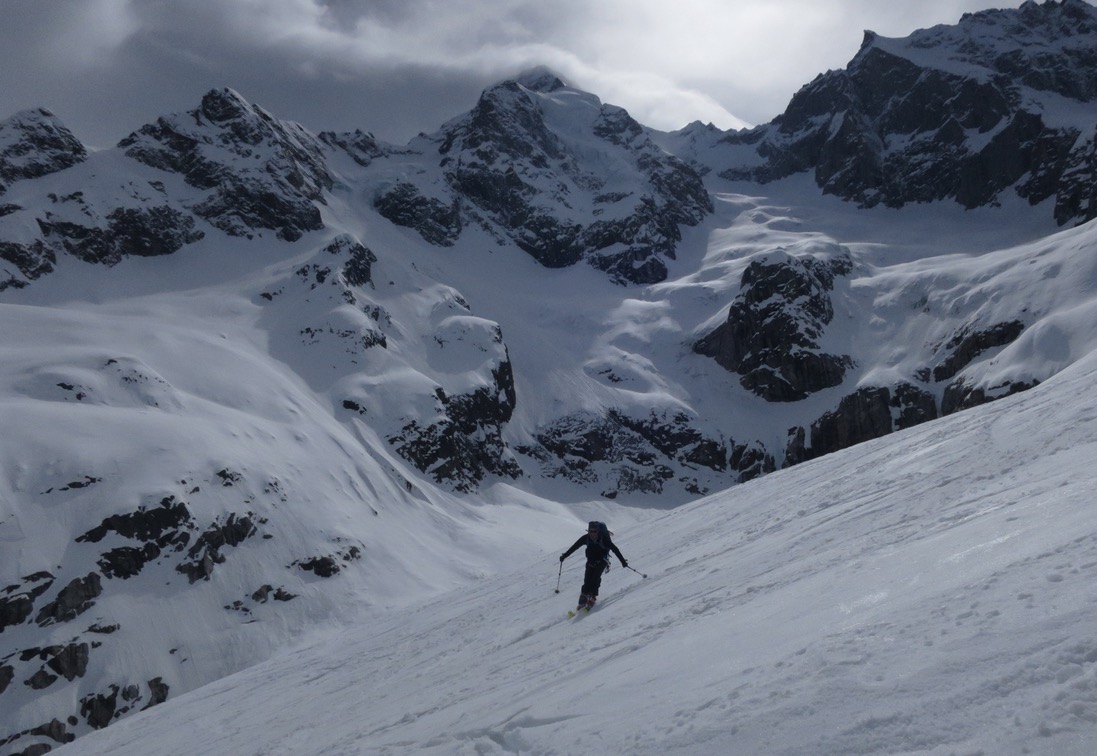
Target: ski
578,612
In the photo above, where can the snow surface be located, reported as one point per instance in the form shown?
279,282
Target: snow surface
929,592
924,593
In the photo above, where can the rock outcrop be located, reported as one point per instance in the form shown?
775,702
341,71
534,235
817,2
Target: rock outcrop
624,453
462,443
771,336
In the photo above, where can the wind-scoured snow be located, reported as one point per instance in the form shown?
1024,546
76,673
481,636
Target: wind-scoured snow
930,592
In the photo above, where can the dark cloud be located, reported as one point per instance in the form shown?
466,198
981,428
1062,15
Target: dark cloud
397,67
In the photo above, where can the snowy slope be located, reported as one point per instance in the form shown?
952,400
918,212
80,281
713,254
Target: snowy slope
931,592
244,380
259,384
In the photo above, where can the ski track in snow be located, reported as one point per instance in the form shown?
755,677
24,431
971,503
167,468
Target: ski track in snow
930,592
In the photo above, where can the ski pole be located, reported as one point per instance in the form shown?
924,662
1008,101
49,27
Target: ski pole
560,574
636,571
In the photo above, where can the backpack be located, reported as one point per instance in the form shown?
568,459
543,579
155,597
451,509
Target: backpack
604,540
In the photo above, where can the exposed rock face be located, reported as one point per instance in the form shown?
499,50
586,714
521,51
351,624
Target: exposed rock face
18,601
465,444
358,268
463,399
968,343
168,527
771,337
31,260
363,148
861,416
254,173
513,168
165,539
100,709
163,525
1076,192
74,599
143,232
911,405
259,173
35,143
77,225
960,395
959,351
206,551
323,566
70,661
948,113
435,221
874,411
624,453
54,730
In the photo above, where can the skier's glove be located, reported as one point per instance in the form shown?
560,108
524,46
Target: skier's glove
561,557
624,563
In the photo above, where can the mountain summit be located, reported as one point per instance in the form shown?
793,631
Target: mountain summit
971,112
559,174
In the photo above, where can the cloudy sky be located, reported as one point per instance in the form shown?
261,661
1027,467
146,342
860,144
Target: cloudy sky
397,67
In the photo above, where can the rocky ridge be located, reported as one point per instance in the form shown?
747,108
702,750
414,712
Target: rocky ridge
964,113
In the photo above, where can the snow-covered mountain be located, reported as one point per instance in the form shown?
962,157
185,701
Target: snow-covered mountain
1001,103
929,592
256,378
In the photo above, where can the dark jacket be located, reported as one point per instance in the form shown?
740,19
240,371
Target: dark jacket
597,551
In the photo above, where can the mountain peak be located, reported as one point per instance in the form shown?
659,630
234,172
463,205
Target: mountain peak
34,143
540,79
929,116
1033,12
260,172
223,105
1055,24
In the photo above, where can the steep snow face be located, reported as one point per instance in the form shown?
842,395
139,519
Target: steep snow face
175,503
928,592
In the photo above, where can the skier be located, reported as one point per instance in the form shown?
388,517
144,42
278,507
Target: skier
598,543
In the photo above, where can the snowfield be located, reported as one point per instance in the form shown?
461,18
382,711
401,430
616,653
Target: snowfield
294,426
929,592
923,593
